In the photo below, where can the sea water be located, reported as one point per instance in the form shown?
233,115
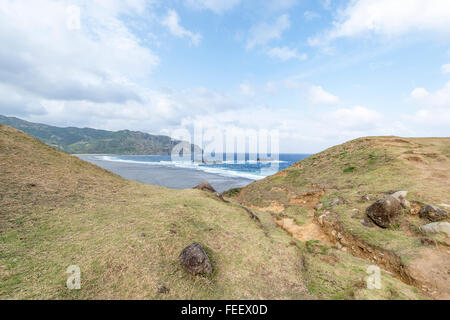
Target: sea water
222,175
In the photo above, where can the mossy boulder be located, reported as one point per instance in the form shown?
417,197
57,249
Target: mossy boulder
385,211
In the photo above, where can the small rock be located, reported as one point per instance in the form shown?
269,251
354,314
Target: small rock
405,204
428,242
436,227
335,202
163,290
143,235
399,195
321,219
195,260
356,215
432,213
365,198
385,211
366,222
318,206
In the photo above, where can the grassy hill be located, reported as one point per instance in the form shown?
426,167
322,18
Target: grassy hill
325,198
93,141
57,211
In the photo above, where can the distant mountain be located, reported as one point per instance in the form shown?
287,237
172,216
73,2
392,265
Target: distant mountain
92,141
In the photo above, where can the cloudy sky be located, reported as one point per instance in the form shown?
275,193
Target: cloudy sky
319,71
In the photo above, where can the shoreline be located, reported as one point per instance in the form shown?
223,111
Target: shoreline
169,177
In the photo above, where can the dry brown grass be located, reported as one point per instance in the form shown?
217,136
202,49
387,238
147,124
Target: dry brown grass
57,211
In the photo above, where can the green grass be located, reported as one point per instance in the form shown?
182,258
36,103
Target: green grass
349,169
57,211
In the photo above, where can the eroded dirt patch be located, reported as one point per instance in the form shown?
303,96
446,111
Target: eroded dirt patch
274,206
432,271
307,232
307,200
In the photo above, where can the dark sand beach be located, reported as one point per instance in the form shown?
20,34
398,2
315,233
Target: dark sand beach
166,176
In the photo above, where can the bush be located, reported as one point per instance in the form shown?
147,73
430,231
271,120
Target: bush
349,169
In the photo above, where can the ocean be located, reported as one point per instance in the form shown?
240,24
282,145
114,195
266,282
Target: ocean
162,171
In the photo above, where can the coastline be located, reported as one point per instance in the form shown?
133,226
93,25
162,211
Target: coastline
168,176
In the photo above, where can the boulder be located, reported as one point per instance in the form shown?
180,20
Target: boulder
436,227
432,213
385,211
195,260
205,186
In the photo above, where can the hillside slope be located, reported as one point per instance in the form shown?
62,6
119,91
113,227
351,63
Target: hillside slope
93,141
324,198
57,211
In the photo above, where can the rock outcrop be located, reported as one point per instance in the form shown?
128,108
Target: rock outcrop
385,211
205,186
195,260
436,227
432,213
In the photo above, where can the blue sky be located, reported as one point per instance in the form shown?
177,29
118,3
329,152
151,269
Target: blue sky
321,72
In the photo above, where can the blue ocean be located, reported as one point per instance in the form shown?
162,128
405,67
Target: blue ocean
222,175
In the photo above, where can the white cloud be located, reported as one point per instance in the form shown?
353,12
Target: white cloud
92,75
317,95
279,5
304,132
311,15
246,89
434,117
263,33
218,6
172,22
440,98
388,18
285,53
44,56
355,117
445,68
326,4
435,122
419,93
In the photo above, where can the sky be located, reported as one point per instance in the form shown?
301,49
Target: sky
319,72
